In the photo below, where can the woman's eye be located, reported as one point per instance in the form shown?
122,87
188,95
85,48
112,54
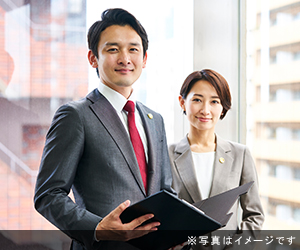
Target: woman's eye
196,100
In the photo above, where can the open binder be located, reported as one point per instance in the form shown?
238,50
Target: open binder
179,219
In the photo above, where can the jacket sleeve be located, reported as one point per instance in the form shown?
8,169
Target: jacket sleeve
252,211
63,148
252,216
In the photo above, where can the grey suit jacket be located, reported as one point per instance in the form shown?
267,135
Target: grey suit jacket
237,169
87,148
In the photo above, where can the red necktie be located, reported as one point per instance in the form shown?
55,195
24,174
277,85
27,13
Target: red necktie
136,141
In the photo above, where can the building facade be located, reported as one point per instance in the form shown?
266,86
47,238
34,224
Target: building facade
42,46
274,126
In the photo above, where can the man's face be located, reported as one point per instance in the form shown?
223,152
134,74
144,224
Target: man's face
120,58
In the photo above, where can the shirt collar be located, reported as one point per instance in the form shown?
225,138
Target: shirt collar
117,100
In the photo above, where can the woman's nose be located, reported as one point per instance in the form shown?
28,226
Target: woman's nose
205,109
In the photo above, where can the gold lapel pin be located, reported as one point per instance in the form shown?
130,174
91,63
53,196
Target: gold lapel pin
150,116
222,160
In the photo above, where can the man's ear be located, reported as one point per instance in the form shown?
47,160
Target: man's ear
92,59
144,60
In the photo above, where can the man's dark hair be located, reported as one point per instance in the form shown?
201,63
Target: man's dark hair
111,17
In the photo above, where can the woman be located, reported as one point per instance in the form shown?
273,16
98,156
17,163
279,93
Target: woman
204,164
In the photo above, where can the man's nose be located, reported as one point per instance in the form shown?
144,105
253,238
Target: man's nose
124,58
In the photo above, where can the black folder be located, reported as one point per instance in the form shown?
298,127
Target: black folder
179,219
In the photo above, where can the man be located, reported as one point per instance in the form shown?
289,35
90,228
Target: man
88,146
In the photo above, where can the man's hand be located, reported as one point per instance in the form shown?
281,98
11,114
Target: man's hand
112,228
178,247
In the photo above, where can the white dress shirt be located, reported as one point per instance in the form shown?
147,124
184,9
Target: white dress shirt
203,163
118,101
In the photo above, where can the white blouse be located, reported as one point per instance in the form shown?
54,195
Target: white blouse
203,164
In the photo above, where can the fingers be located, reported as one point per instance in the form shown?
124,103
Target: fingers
178,247
134,224
117,211
115,214
112,228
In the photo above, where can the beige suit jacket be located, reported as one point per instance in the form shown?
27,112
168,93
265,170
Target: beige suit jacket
236,168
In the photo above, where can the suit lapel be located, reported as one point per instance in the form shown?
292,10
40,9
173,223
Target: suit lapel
222,166
152,145
185,167
108,116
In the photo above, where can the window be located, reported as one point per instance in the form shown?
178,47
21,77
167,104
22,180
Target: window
296,215
272,60
43,61
43,65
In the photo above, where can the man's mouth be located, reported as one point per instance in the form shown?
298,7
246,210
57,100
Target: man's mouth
124,70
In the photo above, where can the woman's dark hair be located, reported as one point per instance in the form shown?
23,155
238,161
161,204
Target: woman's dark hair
216,80
115,17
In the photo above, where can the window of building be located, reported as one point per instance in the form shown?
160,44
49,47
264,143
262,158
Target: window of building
43,65
272,60
75,6
43,59
296,215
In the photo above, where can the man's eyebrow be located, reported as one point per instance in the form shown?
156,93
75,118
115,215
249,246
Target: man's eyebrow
135,44
111,44
117,44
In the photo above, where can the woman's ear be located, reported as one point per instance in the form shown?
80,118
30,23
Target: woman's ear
181,103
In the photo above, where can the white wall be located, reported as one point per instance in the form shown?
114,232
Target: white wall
217,46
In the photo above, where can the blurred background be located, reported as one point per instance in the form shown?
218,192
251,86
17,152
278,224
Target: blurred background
254,44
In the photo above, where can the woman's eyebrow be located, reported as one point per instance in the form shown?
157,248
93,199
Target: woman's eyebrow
214,96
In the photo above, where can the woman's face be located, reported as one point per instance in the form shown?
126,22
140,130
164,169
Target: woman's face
202,106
